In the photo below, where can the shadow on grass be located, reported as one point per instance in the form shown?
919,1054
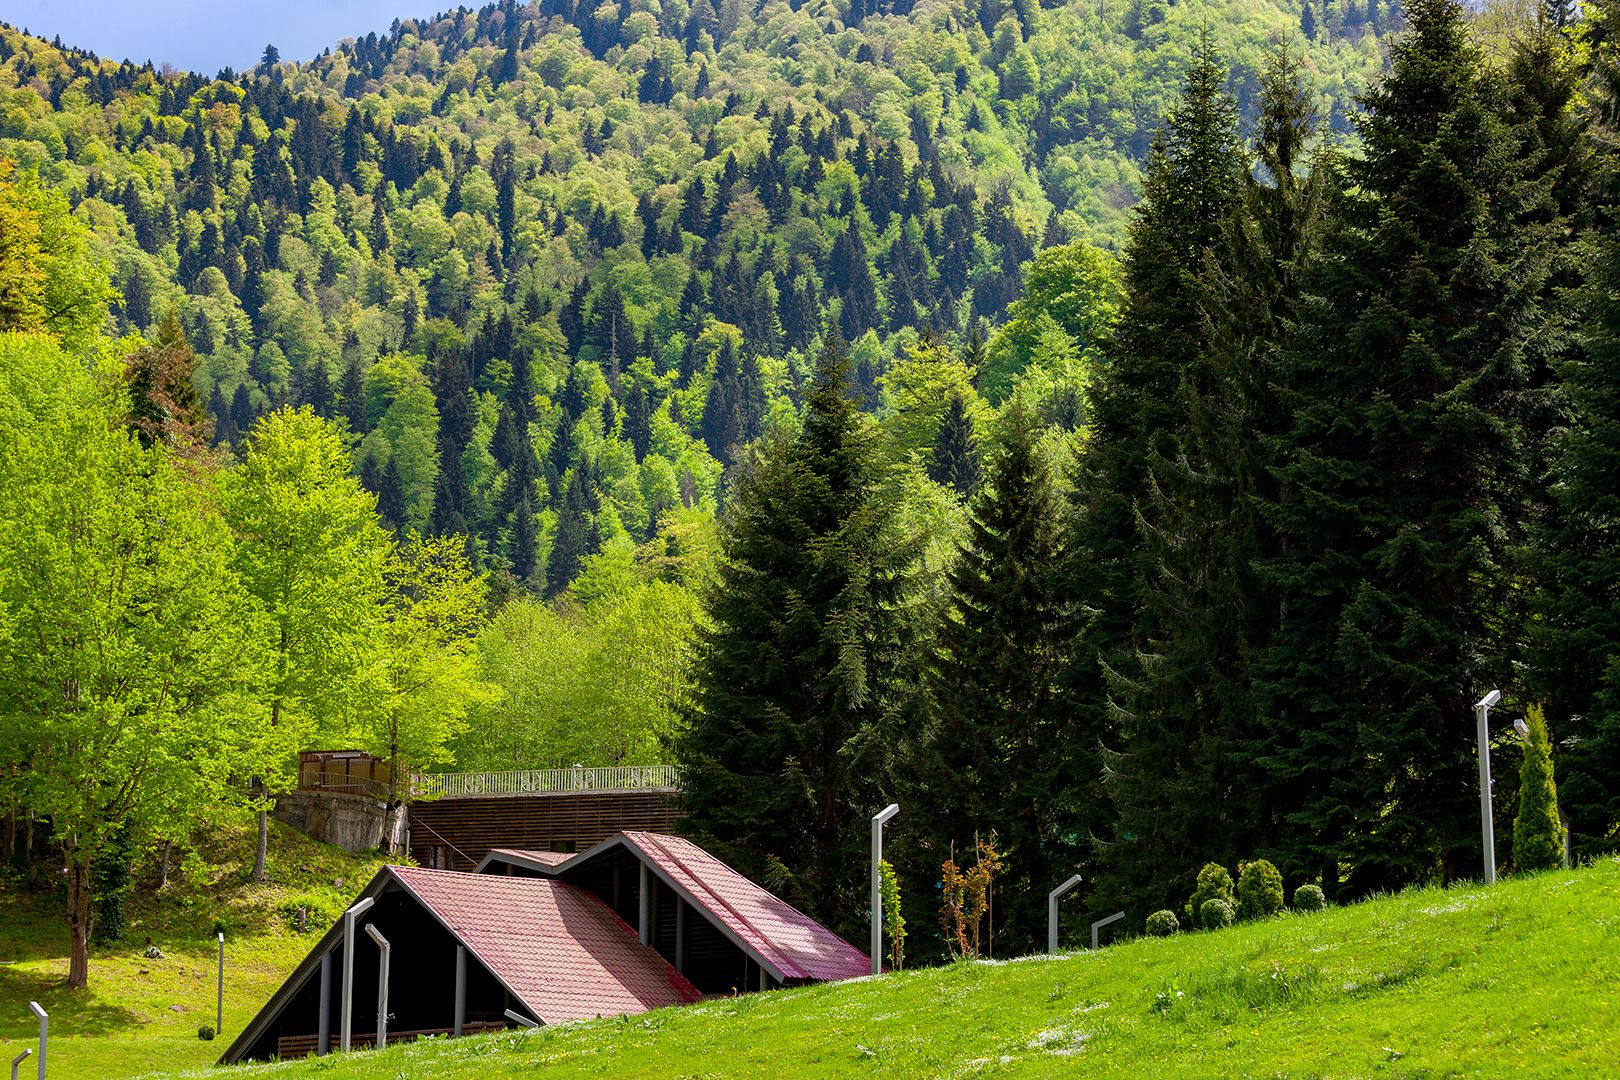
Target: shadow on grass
33,925
72,1012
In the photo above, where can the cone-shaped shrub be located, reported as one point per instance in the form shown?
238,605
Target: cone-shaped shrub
1214,883
1259,890
1538,835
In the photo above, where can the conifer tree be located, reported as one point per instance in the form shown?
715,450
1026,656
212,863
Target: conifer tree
808,624
575,537
523,541
997,752
1398,474
1538,834
955,463
1192,189
391,497
1575,556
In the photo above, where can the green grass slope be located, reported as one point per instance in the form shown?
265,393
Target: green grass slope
142,1014
1522,979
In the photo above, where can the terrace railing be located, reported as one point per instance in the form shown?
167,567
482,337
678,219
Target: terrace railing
342,783
545,781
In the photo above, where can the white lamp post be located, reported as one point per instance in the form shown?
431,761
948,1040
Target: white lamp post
382,986
44,1035
1052,899
879,819
346,1020
1482,714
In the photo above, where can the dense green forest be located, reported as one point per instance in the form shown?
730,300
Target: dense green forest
1087,426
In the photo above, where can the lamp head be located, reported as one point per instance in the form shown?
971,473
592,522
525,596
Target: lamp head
1522,728
1489,700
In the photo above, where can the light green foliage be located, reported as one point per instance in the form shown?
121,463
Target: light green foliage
1309,898
129,651
1538,834
1163,924
1214,883
916,391
311,553
1259,890
1073,290
433,609
1215,914
894,920
52,279
595,686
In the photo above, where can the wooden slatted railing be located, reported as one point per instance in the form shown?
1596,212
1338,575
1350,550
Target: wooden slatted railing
545,781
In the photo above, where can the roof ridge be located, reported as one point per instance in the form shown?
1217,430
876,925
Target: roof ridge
781,958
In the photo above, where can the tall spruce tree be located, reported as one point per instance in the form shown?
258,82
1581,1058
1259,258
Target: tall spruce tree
1575,642
996,753
808,623
1193,187
1398,474
1185,776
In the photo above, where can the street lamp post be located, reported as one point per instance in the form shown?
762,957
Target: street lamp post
1052,899
879,819
382,985
1487,823
346,1018
44,1035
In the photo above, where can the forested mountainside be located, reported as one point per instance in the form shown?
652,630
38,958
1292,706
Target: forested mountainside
625,227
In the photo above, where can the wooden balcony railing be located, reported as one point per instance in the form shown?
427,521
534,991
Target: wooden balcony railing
544,781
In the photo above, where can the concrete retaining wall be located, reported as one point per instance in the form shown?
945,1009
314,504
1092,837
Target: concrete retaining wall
352,822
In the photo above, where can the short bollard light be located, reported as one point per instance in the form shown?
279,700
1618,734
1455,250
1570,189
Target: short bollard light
1097,926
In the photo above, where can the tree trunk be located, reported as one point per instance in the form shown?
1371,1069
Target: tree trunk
78,917
264,845
163,865
9,854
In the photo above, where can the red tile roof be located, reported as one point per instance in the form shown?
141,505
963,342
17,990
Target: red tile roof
788,940
560,951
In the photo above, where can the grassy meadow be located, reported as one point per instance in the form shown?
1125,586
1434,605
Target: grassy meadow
1522,979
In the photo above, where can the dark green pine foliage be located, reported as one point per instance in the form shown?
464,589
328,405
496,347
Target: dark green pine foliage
452,389
997,753
575,536
955,463
1185,788
1399,474
1575,640
808,621
391,497
1193,187
523,539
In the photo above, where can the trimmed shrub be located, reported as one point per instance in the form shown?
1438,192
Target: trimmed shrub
1163,924
1259,890
1538,834
1309,898
205,1033
1214,883
1216,914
